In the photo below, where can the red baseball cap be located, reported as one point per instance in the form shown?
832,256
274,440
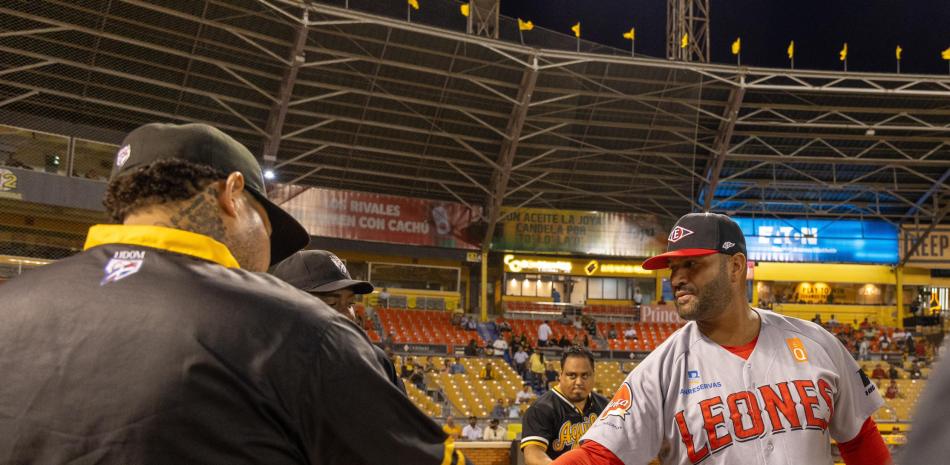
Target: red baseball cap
699,234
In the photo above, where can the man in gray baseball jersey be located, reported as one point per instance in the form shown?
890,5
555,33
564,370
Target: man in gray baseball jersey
736,384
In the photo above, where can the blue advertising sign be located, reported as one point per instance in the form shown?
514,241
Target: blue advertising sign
813,240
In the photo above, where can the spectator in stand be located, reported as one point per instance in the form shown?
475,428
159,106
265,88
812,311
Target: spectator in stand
471,324
915,371
909,345
555,295
383,299
389,340
816,319
514,409
863,348
612,332
833,321
451,429
563,342
471,350
892,391
892,373
921,349
630,333
494,432
499,411
463,322
637,296
544,332
865,324
536,368
418,379
578,325
408,368
487,372
456,319
504,326
884,342
500,346
591,326
457,368
878,372
550,373
523,340
430,366
472,431
521,359
525,396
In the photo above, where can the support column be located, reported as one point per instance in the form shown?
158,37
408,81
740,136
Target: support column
899,273
506,156
278,112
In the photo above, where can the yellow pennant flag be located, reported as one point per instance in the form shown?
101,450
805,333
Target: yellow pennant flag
898,51
630,35
414,4
791,50
464,8
843,54
945,54
737,46
684,41
577,29
525,25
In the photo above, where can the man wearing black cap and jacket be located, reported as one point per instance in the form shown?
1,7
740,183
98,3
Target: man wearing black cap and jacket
736,384
161,344
323,275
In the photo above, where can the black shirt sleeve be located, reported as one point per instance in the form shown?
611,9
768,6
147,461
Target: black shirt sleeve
539,425
369,414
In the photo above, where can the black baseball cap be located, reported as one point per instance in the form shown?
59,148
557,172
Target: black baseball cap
318,271
698,234
206,145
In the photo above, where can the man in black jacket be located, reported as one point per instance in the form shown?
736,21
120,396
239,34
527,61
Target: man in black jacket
323,275
160,343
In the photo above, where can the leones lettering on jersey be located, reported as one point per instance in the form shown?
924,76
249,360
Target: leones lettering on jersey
620,405
678,233
124,263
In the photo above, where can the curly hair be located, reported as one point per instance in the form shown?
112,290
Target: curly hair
162,181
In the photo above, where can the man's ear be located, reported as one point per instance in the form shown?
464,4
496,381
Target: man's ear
229,192
738,265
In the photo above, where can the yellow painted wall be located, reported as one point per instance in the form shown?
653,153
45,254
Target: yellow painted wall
882,314
826,272
917,277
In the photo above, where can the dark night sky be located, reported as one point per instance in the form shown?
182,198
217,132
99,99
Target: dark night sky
872,28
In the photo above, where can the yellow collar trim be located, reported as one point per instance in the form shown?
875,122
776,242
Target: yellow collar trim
158,237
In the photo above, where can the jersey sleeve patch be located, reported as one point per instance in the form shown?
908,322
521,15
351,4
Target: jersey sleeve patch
620,405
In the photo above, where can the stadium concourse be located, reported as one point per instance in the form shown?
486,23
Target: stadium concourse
500,186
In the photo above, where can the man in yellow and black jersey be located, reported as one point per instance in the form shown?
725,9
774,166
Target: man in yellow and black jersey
163,343
555,422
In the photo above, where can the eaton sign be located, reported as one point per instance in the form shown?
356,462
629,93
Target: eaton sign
814,240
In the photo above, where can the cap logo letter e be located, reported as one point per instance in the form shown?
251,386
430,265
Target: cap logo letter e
678,233
123,155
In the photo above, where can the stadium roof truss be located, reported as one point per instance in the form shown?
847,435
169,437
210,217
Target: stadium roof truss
342,98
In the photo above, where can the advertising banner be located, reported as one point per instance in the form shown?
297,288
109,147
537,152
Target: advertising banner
580,232
660,313
384,218
814,240
933,252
